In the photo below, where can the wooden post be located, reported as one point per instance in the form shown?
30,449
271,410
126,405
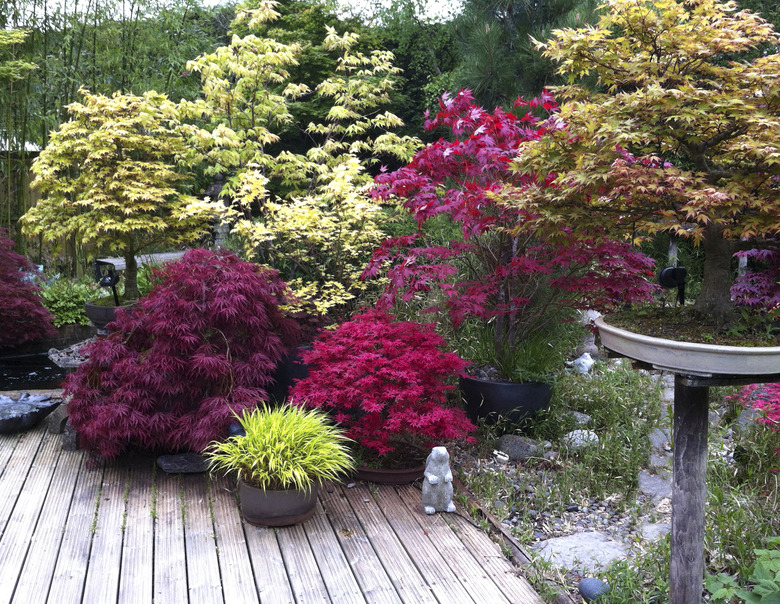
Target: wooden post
691,422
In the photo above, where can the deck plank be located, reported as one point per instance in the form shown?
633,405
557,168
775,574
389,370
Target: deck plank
506,576
102,581
271,580
409,583
21,452
336,572
234,564
77,531
203,580
471,567
67,585
170,562
302,570
433,566
137,570
38,570
21,523
358,551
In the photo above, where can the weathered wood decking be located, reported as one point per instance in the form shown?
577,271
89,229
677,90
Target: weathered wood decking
125,533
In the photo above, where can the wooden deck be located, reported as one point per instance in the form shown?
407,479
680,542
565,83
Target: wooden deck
123,532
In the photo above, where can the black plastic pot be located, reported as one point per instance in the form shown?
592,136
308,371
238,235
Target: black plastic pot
488,399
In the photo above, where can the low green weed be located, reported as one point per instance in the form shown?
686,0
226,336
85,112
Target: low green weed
763,583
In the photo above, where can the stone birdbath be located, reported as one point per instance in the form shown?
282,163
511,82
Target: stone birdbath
696,367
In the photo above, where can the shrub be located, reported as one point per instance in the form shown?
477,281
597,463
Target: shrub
22,314
384,381
176,367
65,300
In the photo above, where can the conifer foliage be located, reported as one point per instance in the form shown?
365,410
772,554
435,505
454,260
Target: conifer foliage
384,380
202,345
22,313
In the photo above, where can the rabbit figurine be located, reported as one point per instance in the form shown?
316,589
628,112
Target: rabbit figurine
437,484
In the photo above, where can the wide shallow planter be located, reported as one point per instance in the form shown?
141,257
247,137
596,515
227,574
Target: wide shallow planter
690,357
386,476
487,399
276,508
102,315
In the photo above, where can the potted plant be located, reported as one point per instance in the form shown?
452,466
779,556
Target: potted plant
203,345
385,382
109,178
497,274
676,140
280,461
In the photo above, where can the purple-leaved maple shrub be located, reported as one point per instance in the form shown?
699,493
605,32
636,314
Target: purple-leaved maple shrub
22,314
203,344
499,270
383,381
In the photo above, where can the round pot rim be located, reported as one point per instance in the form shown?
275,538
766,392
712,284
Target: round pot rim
693,357
507,382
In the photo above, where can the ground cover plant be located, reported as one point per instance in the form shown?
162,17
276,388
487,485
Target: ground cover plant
173,370
532,497
22,315
385,382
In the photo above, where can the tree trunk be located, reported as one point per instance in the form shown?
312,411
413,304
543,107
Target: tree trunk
131,276
714,299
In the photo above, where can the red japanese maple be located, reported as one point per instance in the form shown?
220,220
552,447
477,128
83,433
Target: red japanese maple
383,380
202,345
22,314
500,269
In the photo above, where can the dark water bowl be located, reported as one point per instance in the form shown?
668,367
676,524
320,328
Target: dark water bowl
34,371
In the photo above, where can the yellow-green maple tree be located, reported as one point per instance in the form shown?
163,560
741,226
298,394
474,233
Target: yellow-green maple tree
682,134
319,226
110,178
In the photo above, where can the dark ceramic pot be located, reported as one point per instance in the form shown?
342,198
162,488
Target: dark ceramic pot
276,508
102,315
383,476
488,399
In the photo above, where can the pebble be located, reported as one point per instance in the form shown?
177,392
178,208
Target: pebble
591,588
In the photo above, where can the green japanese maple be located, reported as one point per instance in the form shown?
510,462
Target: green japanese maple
110,178
306,214
682,135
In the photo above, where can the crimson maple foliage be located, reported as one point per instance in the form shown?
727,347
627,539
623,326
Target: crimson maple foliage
22,314
383,380
203,344
501,268
759,288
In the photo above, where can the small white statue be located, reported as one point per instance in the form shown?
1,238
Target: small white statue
437,484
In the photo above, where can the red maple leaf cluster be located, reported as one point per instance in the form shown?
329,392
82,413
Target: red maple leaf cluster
383,379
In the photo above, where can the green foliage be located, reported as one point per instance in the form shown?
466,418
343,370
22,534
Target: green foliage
110,179
65,299
676,139
306,214
764,580
283,448
12,68
498,59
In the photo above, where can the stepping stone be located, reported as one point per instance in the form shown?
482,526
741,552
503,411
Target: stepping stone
182,463
582,552
18,415
657,486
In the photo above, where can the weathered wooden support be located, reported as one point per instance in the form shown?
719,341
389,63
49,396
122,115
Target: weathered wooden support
691,421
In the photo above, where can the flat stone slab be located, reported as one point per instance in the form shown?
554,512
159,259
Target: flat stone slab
657,486
583,552
24,412
182,463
